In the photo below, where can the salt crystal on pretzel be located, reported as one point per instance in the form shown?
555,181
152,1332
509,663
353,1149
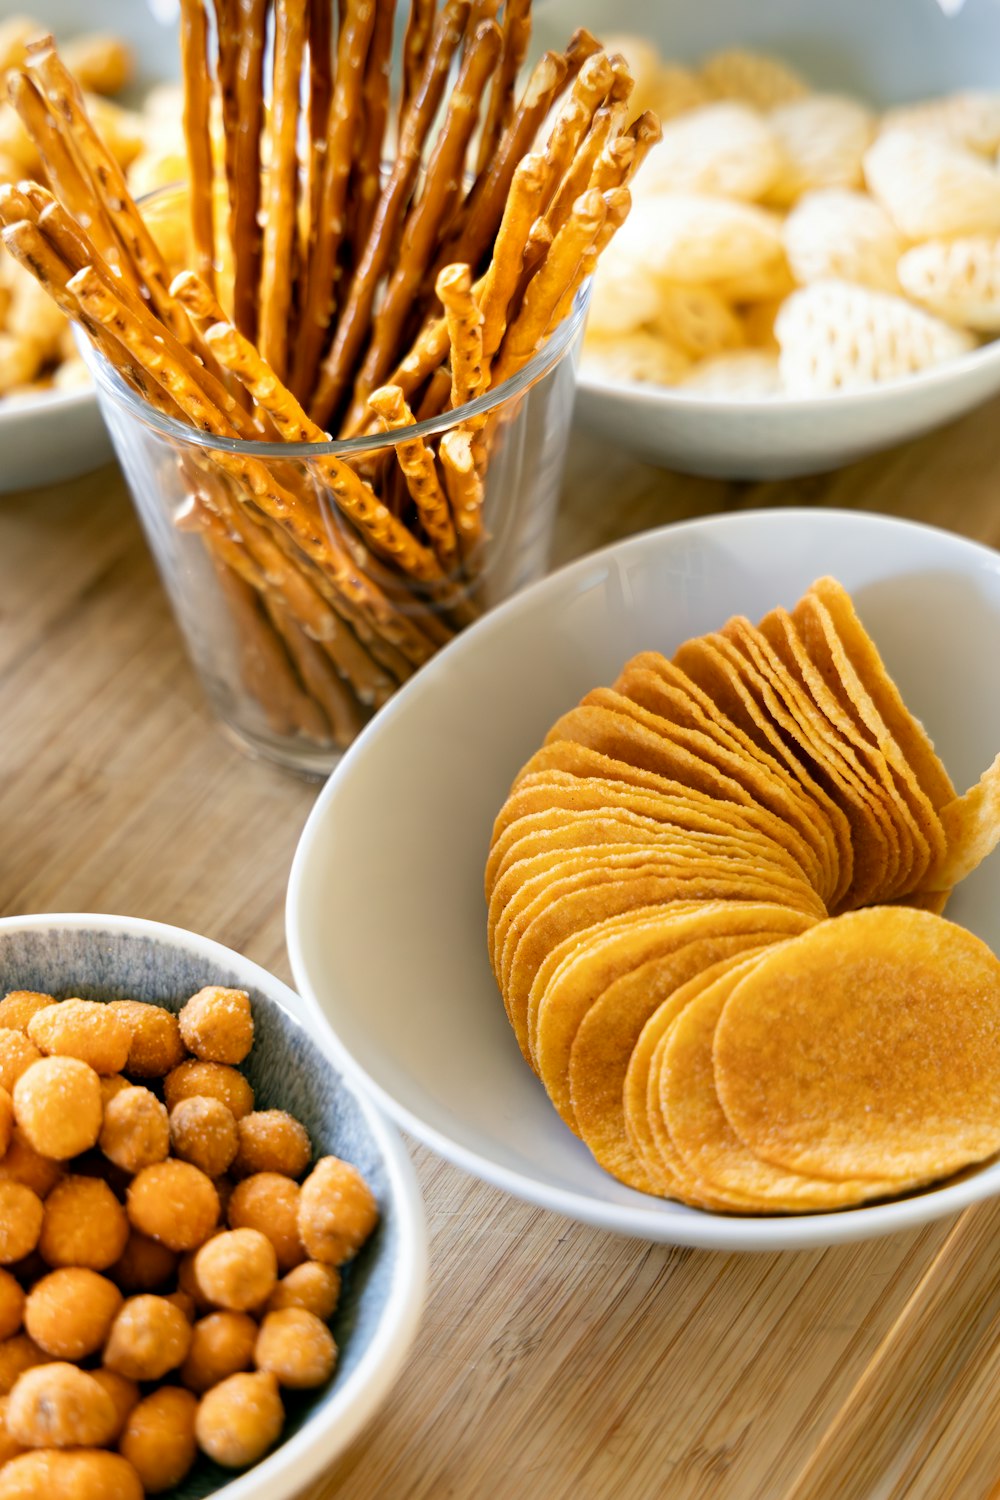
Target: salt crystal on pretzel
839,233
931,188
959,280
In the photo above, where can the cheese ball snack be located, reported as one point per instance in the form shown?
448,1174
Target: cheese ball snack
185,1303
83,1029
155,1045
204,1133
11,1304
69,1312
337,1211
159,1440
144,1265
79,1474
214,1080
237,1270
60,1406
6,1120
18,1006
148,1337
22,1163
124,1396
312,1285
270,1202
174,1203
239,1419
296,1347
216,1025
16,1054
9,1446
136,1131
21,1214
83,1225
57,1104
17,1354
222,1344
112,1084
271,1140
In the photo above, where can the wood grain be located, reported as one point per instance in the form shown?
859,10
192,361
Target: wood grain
554,1361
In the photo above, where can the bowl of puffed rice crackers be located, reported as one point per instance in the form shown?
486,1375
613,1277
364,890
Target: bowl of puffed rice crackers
811,270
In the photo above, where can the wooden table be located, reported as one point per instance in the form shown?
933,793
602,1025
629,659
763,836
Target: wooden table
554,1362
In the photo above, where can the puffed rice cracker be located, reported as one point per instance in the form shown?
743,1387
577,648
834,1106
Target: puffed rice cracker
737,375
970,118
725,148
824,138
692,237
932,188
697,320
755,77
641,356
837,233
957,279
622,298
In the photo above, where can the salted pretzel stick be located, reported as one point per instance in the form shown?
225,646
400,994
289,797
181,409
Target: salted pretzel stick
66,101
317,310
282,173
435,398
251,19
197,135
590,89
416,41
465,334
465,488
320,95
646,131
417,463
618,202
607,120
226,58
367,179
355,318
516,35
545,289
320,680
421,231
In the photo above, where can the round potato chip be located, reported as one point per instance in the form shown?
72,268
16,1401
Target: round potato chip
959,280
842,235
932,188
869,1047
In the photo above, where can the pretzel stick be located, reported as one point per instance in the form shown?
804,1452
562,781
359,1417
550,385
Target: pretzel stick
546,288
420,234
435,397
245,160
503,273
321,681
575,118
464,486
197,135
580,170
317,310
415,43
417,463
646,131
282,173
226,59
618,202
375,103
355,317
465,334
320,94
516,35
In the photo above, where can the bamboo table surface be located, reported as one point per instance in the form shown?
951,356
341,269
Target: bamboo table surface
553,1360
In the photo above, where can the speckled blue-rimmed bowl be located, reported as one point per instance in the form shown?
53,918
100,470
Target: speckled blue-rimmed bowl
108,958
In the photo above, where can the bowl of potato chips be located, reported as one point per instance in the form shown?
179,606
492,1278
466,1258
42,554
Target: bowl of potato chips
399,954
812,267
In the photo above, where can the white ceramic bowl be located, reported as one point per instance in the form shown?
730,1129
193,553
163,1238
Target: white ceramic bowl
887,52
105,957
386,918
58,434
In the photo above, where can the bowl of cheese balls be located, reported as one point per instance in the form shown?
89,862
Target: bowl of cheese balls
811,268
212,1252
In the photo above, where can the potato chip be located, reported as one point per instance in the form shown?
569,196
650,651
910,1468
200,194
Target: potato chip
724,148
959,280
823,138
932,188
971,826
844,236
643,357
970,118
835,336
737,375
758,78
691,237
868,1047
697,320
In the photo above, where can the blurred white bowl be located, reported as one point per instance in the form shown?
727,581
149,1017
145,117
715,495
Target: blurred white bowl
386,920
887,53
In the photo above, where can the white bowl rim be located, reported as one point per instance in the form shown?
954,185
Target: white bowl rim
50,401
325,1435
694,1228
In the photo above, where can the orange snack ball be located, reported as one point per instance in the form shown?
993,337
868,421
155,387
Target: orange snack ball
203,1132
187,1282
11,1304
224,1187
84,1225
17,1052
237,1270
159,1441
83,1029
155,1044
271,1140
24,1164
60,1406
6,1119
148,1337
239,1419
296,1347
144,1264
18,1354
312,1285
185,1302
124,1395
21,1213
222,1344
217,1025
174,1203
9,1447
136,1130
77,1474
69,1312
214,1080
57,1104
270,1202
112,1085
18,1006
337,1211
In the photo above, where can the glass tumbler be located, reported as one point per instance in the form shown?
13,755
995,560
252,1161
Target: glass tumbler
300,623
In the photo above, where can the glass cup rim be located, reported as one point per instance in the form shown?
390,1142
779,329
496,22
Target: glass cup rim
110,382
